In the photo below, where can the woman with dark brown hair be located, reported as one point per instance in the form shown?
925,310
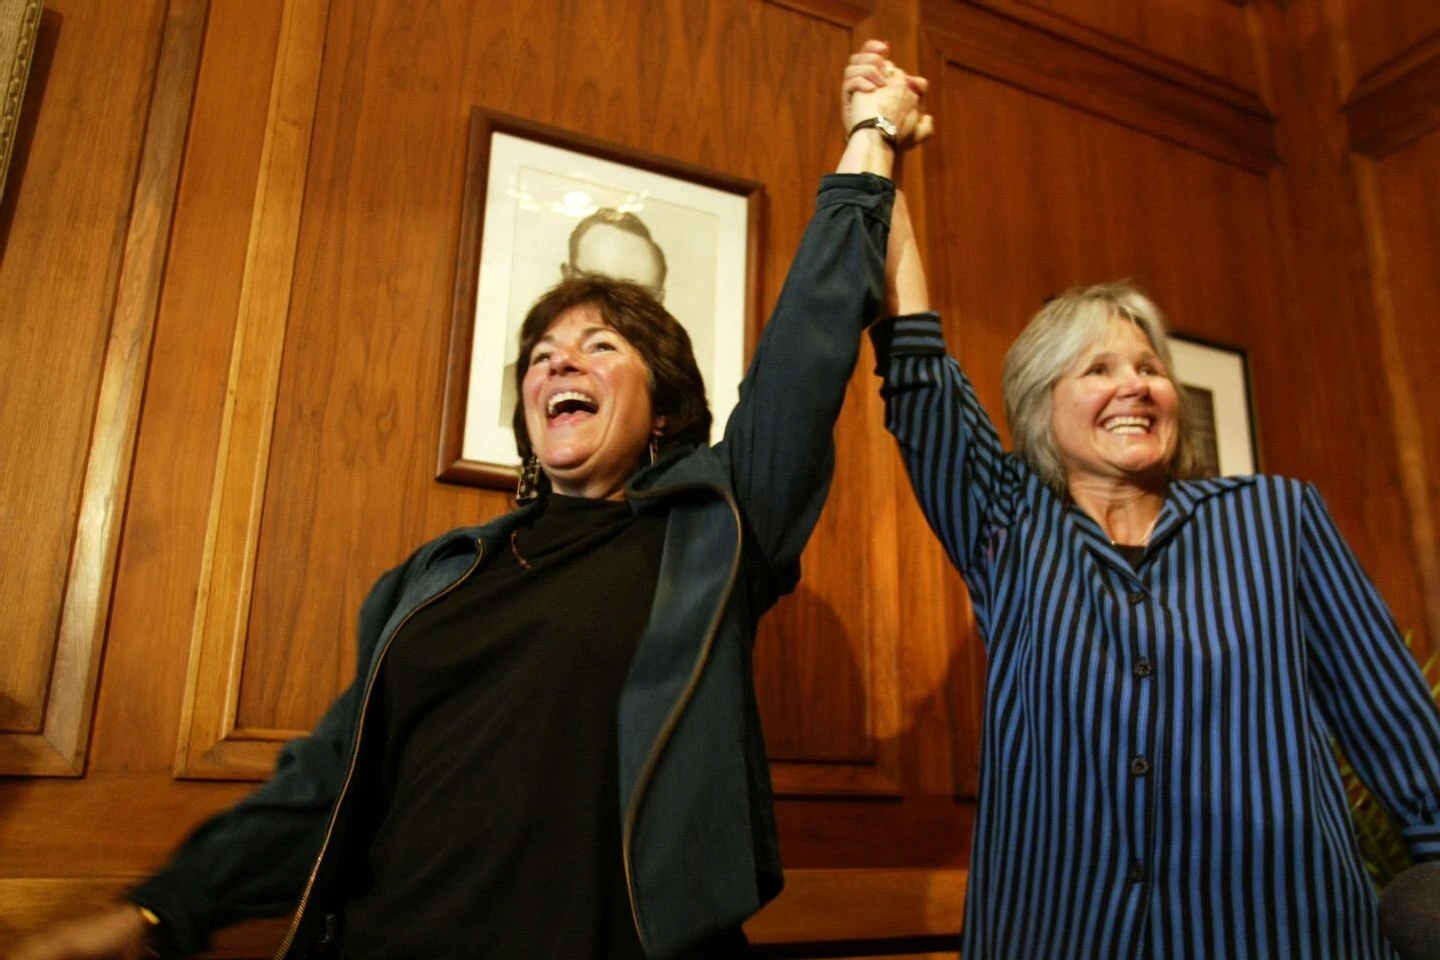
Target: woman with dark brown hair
552,748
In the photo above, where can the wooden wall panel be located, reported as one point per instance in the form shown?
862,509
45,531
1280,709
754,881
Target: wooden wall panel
206,745
1351,441
62,362
161,559
1400,203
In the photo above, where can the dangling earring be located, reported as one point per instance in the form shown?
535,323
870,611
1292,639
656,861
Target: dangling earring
654,452
527,486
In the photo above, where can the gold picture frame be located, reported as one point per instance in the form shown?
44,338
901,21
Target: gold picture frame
19,25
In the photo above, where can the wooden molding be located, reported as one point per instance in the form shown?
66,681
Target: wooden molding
209,745
817,906
1216,88
1397,103
842,13
59,747
1104,77
857,904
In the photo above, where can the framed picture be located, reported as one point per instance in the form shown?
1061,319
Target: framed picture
540,204
1215,380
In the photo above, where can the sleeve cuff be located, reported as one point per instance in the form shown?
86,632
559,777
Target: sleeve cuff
868,190
181,937
918,334
1424,842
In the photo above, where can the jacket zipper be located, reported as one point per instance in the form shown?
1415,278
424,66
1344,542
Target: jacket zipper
653,758
355,752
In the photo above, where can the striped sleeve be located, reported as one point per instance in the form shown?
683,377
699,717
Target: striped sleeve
1373,693
951,449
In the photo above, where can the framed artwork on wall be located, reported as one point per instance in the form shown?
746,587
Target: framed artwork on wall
541,204
1215,381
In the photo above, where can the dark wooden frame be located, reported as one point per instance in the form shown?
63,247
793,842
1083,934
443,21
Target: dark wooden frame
451,467
1242,356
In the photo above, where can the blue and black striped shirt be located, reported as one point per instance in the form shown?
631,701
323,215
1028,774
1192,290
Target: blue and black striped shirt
1157,777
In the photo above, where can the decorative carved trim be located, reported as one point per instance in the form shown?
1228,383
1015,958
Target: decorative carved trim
842,13
19,26
59,748
1397,103
1104,78
209,745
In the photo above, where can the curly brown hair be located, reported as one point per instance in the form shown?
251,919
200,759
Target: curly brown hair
677,391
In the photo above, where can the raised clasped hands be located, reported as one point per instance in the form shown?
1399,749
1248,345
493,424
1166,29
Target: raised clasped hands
874,86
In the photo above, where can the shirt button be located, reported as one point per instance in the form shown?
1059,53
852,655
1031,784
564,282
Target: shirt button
1137,872
1136,598
1139,766
1143,668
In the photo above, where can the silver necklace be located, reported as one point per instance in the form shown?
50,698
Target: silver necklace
1145,540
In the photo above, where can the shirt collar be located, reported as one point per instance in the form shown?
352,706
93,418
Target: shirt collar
1182,498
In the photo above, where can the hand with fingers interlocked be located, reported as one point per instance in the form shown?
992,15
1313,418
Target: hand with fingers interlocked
874,87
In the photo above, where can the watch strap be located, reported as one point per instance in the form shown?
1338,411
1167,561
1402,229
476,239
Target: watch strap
885,128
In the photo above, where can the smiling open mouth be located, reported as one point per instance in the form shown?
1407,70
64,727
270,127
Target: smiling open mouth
1129,426
570,401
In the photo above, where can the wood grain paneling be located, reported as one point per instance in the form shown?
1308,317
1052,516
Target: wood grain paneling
1085,78
162,550
1400,205
206,746
1327,411
1198,43
84,615
64,411
1342,439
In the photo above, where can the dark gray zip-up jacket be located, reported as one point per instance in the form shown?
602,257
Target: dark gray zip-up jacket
698,822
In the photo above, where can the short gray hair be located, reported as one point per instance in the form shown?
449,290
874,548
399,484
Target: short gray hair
1051,343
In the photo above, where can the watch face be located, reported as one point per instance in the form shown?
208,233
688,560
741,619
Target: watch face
885,126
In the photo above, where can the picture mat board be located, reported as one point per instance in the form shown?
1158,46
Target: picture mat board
1222,372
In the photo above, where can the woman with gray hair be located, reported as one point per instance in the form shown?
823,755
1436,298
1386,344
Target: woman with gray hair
1169,656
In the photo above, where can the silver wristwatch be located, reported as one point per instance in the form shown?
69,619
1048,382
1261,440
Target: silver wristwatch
886,128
